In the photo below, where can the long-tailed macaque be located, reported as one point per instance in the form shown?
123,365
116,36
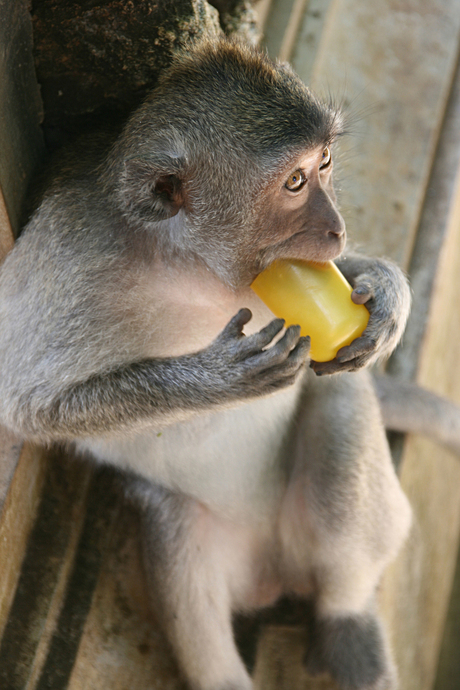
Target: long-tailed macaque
122,310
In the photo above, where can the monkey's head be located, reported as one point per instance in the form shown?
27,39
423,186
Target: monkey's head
230,160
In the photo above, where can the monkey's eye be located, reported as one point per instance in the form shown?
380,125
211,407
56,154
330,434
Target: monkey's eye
326,158
295,181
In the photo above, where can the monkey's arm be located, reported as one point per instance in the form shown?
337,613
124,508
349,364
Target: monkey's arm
383,288
233,368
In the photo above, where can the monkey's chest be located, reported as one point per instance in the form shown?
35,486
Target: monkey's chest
225,459
180,312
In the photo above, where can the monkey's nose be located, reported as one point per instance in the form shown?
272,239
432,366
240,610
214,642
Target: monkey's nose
336,226
326,217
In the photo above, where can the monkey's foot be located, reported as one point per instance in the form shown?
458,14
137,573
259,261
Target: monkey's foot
353,650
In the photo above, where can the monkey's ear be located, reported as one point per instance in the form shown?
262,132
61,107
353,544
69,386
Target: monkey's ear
151,190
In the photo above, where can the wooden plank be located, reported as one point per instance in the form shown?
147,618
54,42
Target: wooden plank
17,516
448,672
10,450
393,61
44,570
6,233
424,263
281,27
121,640
21,141
308,38
434,226
419,585
262,9
292,30
279,662
417,590
21,146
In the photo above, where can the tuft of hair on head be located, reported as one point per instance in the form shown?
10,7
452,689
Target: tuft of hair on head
229,86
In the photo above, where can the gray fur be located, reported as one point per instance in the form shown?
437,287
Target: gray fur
409,408
122,308
352,650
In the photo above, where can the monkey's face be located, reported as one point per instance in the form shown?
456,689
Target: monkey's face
240,223
297,216
240,215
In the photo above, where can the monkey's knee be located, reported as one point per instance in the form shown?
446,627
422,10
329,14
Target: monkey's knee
354,651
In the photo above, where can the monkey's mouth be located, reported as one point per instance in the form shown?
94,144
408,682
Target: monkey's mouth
302,246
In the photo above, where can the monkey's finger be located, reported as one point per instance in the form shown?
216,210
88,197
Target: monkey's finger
285,374
277,354
301,351
280,350
256,342
327,368
290,365
336,367
360,346
296,358
362,294
234,328
276,384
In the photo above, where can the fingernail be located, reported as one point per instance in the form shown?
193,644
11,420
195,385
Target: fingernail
360,291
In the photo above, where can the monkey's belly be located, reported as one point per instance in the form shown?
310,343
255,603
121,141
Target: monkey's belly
226,458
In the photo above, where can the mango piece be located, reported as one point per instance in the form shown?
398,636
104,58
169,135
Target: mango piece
317,298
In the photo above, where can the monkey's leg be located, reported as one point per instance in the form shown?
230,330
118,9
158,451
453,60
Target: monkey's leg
192,566
343,519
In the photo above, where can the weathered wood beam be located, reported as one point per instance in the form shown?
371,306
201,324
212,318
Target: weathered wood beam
21,142
21,146
417,590
394,63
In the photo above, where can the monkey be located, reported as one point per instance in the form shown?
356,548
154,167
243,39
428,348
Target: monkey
129,330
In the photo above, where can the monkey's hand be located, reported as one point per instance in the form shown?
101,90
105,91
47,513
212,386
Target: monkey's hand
241,367
383,288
